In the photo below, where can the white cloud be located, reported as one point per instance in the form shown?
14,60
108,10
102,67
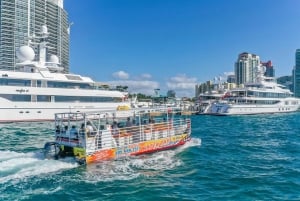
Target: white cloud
138,86
182,85
146,76
121,75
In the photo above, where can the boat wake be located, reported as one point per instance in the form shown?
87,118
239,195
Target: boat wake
16,166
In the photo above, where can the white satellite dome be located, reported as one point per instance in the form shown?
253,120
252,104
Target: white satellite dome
44,29
25,53
54,59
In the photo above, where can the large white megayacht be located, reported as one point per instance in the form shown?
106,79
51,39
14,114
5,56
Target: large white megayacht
37,90
263,96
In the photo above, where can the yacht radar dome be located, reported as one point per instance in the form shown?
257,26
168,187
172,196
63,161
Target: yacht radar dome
54,59
44,29
25,53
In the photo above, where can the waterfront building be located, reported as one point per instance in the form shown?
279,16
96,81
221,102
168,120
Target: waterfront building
22,19
209,86
270,71
296,74
245,67
203,87
231,79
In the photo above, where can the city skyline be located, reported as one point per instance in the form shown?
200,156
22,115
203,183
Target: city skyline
177,44
22,20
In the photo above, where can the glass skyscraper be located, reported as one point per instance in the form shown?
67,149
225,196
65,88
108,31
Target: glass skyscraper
296,74
22,19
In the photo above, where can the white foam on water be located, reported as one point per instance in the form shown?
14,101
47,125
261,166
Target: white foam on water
133,167
20,166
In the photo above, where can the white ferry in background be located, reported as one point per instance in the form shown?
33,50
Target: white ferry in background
263,96
38,89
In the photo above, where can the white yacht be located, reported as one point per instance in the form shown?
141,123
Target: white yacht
263,96
38,89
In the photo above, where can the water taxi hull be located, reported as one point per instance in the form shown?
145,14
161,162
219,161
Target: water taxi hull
137,149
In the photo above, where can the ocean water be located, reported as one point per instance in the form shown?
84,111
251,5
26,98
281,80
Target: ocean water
229,158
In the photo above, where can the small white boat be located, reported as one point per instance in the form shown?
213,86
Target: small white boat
106,135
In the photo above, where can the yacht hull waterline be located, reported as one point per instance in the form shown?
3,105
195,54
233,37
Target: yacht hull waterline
235,109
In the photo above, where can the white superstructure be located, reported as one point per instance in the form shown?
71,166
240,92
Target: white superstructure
207,99
38,89
263,96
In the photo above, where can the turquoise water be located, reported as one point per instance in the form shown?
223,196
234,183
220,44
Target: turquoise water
229,158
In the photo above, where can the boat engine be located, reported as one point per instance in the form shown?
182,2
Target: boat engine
52,150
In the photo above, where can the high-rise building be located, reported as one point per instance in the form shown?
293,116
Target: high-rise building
270,72
231,79
296,74
22,19
245,67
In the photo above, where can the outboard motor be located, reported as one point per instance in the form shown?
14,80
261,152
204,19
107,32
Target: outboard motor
52,150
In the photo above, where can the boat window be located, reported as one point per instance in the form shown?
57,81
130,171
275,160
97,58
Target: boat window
250,93
52,84
43,98
26,98
14,82
84,99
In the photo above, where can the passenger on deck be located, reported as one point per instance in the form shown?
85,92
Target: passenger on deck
57,129
89,127
73,132
65,129
134,122
115,128
145,122
128,122
82,127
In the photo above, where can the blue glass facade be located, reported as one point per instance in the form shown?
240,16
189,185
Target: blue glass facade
296,74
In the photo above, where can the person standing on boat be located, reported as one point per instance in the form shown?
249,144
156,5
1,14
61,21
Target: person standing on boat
115,128
73,132
89,127
128,123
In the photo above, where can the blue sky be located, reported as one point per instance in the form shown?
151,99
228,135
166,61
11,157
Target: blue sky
175,44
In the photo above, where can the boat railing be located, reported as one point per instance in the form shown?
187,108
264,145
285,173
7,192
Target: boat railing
71,129
120,137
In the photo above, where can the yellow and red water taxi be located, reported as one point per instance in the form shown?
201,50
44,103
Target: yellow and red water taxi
106,135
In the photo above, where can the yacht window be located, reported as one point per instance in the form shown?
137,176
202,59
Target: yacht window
52,84
43,98
84,99
26,98
14,82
